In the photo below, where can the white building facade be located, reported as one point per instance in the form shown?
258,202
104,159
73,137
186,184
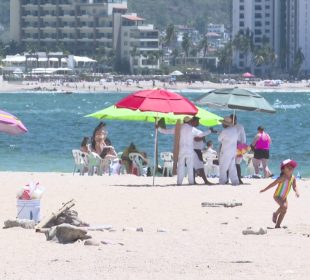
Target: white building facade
262,18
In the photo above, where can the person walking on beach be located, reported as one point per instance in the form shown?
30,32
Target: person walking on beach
227,160
241,141
261,145
186,149
285,182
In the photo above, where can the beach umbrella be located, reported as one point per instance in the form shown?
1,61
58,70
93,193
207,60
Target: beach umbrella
113,113
235,99
176,73
10,124
158,101
248,75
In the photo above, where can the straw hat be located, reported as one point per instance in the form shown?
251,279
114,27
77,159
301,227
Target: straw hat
227,121
187,119
290,162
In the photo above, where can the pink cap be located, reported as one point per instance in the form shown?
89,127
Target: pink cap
290,162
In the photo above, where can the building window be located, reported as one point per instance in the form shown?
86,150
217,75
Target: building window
125,34
258,23
241,16
258,15
241,24
258,32
241,8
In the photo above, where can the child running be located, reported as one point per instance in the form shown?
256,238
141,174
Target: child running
285,182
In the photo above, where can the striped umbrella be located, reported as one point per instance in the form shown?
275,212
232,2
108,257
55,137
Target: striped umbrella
10,124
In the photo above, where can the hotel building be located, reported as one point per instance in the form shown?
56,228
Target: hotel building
82,26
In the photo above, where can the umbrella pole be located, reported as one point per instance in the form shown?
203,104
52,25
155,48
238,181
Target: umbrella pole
155,152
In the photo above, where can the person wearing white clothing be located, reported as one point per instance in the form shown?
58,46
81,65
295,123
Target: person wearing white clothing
241,140
186,149
227,161
199,145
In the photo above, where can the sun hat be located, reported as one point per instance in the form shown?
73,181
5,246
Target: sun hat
287,162
187,119
227,121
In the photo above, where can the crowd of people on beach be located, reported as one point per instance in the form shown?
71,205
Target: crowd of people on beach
192,148
232,146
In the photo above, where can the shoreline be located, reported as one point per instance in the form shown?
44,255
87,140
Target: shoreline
111,88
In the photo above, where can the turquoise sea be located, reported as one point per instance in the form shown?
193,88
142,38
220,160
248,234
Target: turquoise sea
56,125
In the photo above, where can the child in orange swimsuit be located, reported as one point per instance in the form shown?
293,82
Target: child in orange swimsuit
285,182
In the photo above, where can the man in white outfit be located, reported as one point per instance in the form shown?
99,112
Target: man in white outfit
227,161
186,149
241,140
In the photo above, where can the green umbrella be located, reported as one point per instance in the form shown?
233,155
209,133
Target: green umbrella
236,99
113,113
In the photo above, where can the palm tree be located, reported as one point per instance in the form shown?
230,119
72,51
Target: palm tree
243,42
225,57
170,34
298,61
265,56
203,46
186,44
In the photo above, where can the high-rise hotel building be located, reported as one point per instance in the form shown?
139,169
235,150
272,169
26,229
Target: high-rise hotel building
285,24
81,26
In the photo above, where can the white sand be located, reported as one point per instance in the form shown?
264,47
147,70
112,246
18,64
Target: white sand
210,249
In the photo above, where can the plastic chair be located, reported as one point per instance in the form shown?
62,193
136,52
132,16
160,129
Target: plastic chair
210,168
80,161
94,164
139,164
167,158
248,158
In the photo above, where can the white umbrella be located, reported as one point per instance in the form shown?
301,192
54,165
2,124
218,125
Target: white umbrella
176,73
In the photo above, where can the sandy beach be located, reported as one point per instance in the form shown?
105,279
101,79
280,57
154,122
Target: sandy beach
197,242
110,87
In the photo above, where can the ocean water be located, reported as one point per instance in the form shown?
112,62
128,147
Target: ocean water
57,125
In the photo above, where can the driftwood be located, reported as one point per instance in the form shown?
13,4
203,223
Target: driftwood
27,224
66,233
221,204
48,219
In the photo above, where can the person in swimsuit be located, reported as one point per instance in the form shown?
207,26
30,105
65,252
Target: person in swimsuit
285,183
261,146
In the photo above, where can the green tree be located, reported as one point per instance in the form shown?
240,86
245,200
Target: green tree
203,45
170,34
243,42
225,57
186,44
299,59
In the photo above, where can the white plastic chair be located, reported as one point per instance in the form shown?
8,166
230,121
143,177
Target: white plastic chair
80,161
94,164
139,163
248,158
210,168
167,158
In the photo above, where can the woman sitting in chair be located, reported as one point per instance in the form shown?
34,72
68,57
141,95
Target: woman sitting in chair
98,139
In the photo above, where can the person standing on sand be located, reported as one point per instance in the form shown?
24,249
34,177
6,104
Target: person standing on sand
186,149
227,160
199,144
242,141
285,182
261,146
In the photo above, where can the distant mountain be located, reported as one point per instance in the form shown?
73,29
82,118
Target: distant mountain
192,12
